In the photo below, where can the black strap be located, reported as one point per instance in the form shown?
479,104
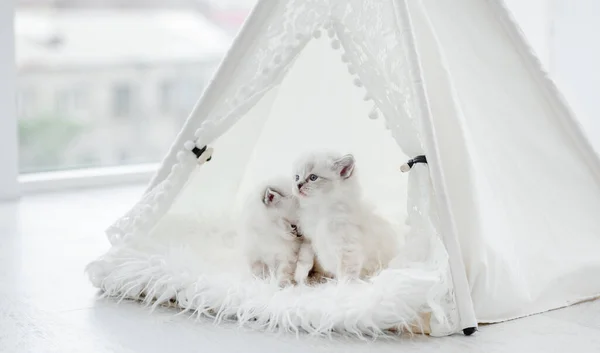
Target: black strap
199,151
417,159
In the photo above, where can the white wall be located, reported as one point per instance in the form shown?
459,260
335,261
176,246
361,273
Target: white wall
9,187
575,52
564,34
533,17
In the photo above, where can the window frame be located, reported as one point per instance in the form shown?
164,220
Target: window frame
123,100
86,178
9,160
13,184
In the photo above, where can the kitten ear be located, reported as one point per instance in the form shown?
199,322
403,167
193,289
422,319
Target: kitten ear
344,166
271,196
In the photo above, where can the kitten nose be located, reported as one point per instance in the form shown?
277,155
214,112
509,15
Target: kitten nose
300,185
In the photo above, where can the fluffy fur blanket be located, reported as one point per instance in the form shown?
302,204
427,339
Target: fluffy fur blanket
204,275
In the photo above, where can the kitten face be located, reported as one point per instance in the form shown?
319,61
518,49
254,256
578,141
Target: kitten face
321,173
282,208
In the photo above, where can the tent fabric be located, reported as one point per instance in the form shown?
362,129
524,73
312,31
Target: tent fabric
527,187
497,223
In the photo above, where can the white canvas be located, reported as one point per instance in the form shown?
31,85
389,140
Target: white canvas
525,192
495,225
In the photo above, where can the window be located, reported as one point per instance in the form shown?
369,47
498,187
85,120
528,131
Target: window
177,96
167,96
84,77
26,102
71,100
122,100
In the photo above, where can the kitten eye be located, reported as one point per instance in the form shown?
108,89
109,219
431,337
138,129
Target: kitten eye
294,227
313,177
297,177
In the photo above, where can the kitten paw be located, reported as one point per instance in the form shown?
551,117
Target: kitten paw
315,280
287,283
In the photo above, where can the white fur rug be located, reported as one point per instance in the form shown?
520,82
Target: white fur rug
203,275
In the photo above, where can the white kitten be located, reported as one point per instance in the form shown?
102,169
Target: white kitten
349,239
270,237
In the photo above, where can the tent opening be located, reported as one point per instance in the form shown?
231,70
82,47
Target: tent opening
316,106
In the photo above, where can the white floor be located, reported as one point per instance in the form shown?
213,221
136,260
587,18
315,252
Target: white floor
47,304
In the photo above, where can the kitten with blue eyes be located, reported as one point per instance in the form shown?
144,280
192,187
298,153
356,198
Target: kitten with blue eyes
269,232
349,239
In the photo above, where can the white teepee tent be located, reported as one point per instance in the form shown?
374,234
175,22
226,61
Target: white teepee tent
502,221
